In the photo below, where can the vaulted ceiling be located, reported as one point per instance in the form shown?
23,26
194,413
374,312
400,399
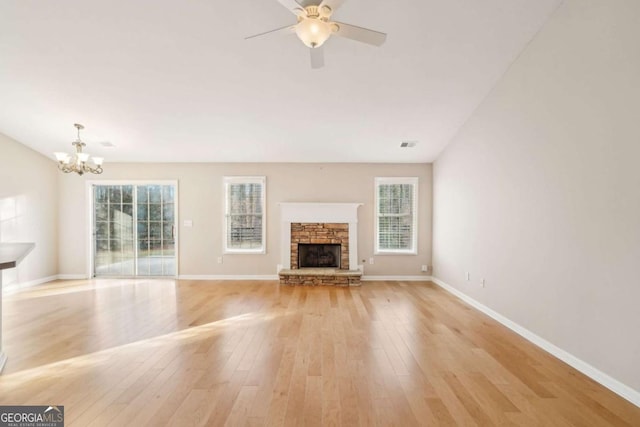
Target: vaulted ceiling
167,81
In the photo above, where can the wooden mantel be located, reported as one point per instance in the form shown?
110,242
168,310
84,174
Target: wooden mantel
10,256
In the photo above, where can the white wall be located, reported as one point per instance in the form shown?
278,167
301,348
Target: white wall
540,191
201,200
28,209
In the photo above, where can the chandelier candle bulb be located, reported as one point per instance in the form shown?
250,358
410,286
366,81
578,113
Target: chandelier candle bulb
61,157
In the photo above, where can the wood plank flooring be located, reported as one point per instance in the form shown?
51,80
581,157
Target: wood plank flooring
183,353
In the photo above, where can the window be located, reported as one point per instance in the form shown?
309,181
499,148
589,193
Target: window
396,215
244,214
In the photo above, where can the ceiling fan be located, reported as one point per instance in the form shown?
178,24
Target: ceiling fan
315,26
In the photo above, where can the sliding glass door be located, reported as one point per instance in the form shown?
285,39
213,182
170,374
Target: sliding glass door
155,230
114,243
134,230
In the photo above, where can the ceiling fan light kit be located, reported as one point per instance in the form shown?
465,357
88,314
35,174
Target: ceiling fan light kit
313,32
314,28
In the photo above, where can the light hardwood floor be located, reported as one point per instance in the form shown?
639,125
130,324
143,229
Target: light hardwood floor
164,352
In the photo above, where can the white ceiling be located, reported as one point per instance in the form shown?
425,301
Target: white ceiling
175,80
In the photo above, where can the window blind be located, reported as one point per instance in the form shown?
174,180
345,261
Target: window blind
396,216
244,215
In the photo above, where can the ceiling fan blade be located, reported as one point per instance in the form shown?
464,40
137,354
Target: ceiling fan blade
333,4
317,57
289,29
360,34
293,6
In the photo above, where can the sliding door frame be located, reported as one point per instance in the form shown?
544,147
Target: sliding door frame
91,221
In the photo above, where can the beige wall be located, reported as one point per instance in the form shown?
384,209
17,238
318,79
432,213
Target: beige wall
201,197
540,192
28,209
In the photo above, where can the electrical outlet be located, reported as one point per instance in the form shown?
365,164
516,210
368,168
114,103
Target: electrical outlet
219,260
482,282
425,268
468,276
371,260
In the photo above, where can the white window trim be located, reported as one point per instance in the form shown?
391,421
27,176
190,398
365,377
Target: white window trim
227,180
414,238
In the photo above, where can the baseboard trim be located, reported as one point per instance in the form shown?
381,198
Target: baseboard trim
595,374
275,277
21,285
397,278
227,277
213,277
71,277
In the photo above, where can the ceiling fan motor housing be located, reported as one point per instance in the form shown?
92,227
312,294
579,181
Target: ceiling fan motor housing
314,12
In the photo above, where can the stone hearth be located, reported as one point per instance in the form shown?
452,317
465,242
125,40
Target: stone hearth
320,277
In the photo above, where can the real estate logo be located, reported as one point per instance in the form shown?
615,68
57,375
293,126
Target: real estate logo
32,416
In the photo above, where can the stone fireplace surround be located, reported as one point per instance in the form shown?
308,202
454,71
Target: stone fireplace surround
319,223
320,233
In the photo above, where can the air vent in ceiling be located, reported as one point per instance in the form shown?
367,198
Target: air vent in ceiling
408,144
107,144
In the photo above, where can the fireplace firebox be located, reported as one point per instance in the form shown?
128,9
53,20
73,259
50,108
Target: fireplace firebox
312,255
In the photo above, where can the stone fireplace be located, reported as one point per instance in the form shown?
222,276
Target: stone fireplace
319,242
321,235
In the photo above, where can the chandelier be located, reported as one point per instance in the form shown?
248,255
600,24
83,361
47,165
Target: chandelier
77,162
